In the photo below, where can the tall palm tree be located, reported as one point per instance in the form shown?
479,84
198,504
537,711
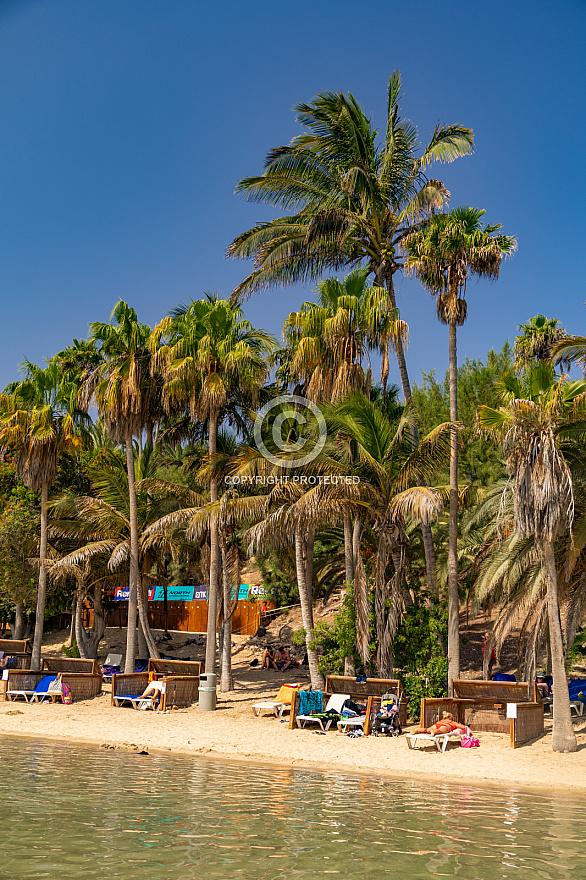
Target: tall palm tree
538,412
122,386
328,342
353,200
37,421
443,255
210,351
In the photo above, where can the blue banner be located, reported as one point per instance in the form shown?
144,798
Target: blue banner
157,594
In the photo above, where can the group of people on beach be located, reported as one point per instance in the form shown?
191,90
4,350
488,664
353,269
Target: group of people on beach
279,659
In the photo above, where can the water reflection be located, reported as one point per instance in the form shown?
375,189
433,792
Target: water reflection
75,812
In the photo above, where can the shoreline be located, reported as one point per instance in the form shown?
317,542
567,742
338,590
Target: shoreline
232,733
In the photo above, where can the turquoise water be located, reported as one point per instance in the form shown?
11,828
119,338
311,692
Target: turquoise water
74,812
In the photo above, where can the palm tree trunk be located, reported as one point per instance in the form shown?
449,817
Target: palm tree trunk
80,633
98,626
42,591
309,548
133,573
18,630
348,555
349,562
430,559
226,681
210,658
563,737
72,638
453,597
317,680
143,614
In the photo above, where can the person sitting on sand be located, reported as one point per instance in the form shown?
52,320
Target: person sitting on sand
268,659
446,725
283,659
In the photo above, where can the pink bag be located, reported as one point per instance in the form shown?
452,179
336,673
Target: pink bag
469,742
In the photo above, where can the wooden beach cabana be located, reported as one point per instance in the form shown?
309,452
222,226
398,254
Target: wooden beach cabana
19,652
482,706
83,685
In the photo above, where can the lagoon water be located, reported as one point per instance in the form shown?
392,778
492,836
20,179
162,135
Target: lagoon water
71,812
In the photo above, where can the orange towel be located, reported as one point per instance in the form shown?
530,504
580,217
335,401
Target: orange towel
286,692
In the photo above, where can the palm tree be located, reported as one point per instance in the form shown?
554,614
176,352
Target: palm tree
536,340
122,386
392,487
37,421
538,412
443,255
96,529
210,351
353,201
329,340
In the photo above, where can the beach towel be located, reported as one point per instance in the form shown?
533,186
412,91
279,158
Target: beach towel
310,701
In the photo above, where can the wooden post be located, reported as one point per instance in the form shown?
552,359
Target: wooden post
368,711
293,713
513,723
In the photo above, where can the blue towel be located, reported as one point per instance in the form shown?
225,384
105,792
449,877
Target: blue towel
310,701
503,676
44,683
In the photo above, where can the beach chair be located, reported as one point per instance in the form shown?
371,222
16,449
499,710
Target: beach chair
37,693
440,740
334,705
138,701
112,665
283,698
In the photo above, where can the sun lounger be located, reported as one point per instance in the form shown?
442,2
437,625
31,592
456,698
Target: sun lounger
136,701
112,665
40,691
277,705
335,704
440,740
351,721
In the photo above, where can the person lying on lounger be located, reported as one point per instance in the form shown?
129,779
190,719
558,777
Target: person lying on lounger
446,725
268,659
154,689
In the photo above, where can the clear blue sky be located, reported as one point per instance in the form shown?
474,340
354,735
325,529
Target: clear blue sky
125,124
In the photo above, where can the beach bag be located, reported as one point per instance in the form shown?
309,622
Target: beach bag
66,694
55,686
469,742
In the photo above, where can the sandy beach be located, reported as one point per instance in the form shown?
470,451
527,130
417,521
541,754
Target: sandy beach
232,731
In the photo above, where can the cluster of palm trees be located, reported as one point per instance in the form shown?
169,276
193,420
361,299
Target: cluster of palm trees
160,503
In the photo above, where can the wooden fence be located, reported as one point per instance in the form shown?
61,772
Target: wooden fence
186,616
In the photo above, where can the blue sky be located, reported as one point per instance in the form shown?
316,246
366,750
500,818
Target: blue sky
124,127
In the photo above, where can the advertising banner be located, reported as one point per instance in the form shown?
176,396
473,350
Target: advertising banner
157,594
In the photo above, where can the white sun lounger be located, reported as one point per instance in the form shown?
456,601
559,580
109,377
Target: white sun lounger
335,704
353,721
440,740
137,702
277,708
